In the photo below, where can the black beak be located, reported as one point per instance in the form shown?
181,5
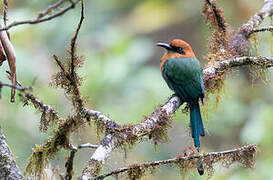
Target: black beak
164,45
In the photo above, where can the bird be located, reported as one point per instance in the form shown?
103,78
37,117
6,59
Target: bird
183,74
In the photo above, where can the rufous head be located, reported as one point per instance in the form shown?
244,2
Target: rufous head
176,49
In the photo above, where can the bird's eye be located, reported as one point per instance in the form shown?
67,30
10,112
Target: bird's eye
180,50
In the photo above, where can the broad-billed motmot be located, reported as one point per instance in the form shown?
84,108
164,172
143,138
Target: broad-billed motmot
183,74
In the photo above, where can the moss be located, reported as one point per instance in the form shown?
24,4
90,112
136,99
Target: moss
126,139
159,134
136,172
259,73
43,153
254,42
94,168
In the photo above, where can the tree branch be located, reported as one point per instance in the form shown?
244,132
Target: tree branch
8,167
73,42
219,18
48,113
147,127
255,30
257,19
244,155
70,159
41,17
239,41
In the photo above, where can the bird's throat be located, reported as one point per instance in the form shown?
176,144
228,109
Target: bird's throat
171,55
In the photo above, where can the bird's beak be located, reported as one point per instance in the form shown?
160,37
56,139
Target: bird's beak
164,45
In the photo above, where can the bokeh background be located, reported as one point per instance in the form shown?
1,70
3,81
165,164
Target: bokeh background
123,80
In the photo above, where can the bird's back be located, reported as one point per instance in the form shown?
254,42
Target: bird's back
184,76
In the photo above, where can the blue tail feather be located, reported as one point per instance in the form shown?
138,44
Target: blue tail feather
197,127
201,125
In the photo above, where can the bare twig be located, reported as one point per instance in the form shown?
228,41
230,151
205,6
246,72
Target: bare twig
209,160
41,16
87,145
5,11
8,167
20,88
50,8
255,30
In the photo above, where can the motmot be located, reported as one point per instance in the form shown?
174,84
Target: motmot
183,74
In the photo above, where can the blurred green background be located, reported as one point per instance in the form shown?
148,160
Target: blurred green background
123,80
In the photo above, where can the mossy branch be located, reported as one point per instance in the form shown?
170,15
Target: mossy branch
49,114
8,167
218,19
244,155
257,19
70,159
240,40
133,133
155,126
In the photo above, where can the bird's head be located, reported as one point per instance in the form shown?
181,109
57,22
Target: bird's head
176,49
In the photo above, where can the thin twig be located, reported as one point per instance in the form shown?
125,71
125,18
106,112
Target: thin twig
87,145
5,12
208,158
73,41
19,88
40,18
60,64
50,8
255,30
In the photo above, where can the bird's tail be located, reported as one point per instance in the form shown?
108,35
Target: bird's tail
197,127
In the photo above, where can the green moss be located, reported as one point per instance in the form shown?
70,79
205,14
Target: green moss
159,134
43,153
94,168
259,73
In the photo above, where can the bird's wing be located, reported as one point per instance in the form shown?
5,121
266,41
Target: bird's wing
185,77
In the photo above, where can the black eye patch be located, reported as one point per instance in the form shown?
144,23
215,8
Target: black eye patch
178,50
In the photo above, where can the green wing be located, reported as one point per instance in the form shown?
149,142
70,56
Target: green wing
185,77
